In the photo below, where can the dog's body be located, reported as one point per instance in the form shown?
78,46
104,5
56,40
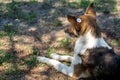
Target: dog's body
93,57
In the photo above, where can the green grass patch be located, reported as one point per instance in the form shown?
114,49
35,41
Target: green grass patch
49,51
100,5
10,29
115,42
56,22
105,5
2,34
11,10
116,21
46,4
79,4
31,61
10,68
30,16
5,57
42,64
33,1
36,51
12,72
2,44
64,42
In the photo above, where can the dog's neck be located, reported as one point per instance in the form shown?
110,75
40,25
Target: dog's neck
88,41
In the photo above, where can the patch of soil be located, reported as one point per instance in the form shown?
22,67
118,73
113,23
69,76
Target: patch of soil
44,32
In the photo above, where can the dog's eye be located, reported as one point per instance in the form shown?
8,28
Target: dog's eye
78,20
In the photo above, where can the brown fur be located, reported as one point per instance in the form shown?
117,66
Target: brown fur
101,62
80,69
88,24
97,62
77,70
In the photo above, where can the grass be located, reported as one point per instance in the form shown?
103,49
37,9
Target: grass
33,1
31,61
12,72
79,3
56,22
1,44
31,16
2,34
101,5
13,65
10,29
64,43
115,42
49,51
36,51
5,57
44,16
12,11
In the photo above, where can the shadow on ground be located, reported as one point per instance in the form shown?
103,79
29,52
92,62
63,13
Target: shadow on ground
29,29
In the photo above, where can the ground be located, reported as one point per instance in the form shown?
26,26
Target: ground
30,28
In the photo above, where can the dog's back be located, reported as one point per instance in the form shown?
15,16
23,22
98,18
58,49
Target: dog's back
102,63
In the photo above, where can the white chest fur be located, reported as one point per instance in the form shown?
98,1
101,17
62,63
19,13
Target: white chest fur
87,42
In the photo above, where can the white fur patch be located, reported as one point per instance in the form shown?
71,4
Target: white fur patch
102,43
61,58
57,65
89,41
76,60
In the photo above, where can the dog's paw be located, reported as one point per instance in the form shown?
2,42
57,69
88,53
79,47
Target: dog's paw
41,59
55,56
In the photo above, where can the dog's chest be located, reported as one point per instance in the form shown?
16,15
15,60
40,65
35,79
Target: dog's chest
89,42
80,47
84,42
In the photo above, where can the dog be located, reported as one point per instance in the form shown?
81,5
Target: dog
93,58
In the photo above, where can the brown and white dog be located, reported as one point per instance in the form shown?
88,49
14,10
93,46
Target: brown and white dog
93,57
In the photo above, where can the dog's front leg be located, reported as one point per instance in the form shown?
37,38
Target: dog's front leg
57,65
61,57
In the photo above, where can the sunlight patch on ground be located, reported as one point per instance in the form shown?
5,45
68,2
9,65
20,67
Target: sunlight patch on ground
5,43
57,4
23,50
64,20
36,73
23,39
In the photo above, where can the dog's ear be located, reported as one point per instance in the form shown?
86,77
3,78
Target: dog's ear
90,10
71,19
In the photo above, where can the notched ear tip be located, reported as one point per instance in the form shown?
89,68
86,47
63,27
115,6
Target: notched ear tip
90,10
92,4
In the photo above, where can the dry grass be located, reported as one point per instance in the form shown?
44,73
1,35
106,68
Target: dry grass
29,28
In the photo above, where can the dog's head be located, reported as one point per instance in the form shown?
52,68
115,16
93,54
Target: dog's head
80,25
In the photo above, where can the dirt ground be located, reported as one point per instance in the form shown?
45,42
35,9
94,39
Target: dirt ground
31,28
